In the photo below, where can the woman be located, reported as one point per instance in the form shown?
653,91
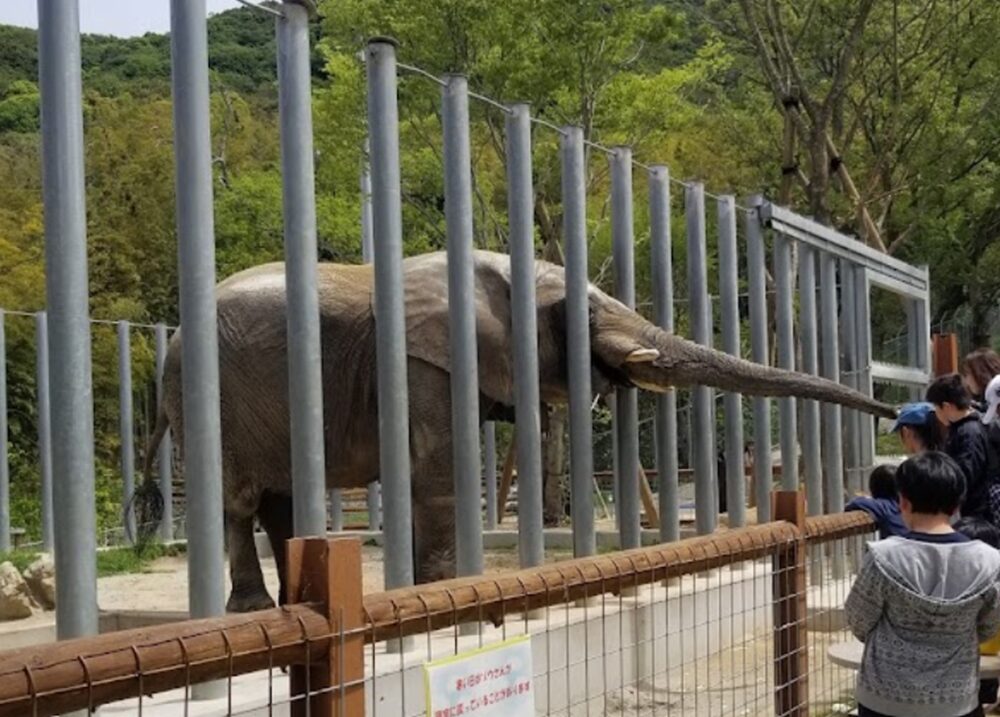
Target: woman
978,369
918,428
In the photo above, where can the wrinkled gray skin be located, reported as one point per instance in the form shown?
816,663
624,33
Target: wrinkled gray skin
626,350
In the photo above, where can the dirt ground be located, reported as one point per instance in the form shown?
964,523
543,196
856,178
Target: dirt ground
164,586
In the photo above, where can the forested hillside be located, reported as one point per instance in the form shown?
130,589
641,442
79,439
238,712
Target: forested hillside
904,96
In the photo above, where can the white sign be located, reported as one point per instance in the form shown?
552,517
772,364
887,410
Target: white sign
492,681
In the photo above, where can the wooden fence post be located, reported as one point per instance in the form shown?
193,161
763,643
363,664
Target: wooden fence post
791,656
945,354
328,571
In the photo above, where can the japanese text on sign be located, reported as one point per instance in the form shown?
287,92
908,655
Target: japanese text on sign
494,680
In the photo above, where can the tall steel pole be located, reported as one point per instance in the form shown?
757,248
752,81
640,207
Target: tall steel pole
706,500
305,356
200,349
527,403
44,401
390,321
68,305
729,287
581,429
490,473
757,286
784,336
462,327
165,452
663,308
833,451
626,399
125,427
809,340
852,452
374,492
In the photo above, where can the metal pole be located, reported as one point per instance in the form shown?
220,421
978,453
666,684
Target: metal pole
527,403
581,429
72,421
367,248
808,338
390,322
661,264
848,321
833,436
866,433
616,477
374,497
4,465
626,399
784,335
200,350
462,327
706,503
757,286
490,473
125,428
305,369
729,288
44,401
165,453
336,510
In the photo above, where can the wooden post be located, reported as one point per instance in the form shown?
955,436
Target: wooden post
328,571
791,656
945,350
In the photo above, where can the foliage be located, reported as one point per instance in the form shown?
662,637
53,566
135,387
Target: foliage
113,561
913,114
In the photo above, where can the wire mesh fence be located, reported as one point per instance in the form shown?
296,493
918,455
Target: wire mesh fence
736,623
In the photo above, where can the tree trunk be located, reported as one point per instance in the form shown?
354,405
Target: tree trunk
819,176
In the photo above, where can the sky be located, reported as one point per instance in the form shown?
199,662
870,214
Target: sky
124,18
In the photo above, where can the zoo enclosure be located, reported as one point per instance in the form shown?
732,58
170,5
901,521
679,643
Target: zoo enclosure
740,598
847,270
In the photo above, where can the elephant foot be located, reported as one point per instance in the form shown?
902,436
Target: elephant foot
249,601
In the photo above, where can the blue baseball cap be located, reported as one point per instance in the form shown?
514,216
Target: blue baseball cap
913,414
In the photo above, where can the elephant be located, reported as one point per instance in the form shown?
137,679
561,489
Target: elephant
626,350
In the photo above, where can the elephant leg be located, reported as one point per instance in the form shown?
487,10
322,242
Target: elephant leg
433,488
248,592
433,537
275,516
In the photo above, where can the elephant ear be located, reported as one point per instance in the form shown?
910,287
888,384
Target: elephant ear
425,285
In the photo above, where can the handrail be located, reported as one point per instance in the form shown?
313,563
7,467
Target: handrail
87,672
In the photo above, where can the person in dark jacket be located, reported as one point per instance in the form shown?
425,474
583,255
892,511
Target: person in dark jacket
967,442
979,373
883,504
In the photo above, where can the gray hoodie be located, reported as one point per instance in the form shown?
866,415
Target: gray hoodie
921,608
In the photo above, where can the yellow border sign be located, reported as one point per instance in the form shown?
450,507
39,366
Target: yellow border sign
489,681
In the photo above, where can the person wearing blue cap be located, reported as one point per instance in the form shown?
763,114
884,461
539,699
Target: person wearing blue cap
918,428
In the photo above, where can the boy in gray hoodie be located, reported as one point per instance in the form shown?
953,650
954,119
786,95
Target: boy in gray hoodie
923,602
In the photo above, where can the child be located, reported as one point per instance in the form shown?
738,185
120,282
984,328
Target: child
922,603
967,442
976,529
883,506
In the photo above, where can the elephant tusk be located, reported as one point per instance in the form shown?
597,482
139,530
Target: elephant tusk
642,356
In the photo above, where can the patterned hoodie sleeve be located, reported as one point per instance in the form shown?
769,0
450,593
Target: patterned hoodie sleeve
988,623
864,605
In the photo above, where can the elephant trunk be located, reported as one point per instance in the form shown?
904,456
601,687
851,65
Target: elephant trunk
684,363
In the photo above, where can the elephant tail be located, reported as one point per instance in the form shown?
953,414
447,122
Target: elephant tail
147,500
